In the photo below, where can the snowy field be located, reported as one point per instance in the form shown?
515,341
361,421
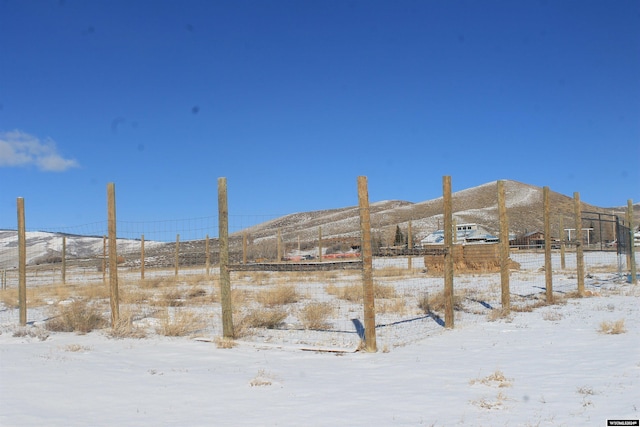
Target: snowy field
554,365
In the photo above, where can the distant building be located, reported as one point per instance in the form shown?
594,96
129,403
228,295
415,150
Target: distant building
534,239
465,233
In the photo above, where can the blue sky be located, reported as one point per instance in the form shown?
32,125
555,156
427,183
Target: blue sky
292,100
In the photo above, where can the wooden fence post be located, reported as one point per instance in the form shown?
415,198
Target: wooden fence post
548,272
409,247
563,264
22,263
448,253
320,244
504,249
632,242
113,254
142,257
244,247
176,262
579,249
104,260
367,266
279,246
64,260
207,255
225,277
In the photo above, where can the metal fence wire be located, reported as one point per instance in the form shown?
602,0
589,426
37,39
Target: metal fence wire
303,286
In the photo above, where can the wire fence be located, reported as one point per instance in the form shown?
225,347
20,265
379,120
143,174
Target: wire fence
305,286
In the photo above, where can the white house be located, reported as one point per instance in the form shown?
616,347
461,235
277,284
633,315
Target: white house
465,233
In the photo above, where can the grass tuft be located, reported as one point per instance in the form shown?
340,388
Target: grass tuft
612,328
78,316
316,314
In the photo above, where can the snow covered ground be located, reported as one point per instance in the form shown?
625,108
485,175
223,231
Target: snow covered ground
552,366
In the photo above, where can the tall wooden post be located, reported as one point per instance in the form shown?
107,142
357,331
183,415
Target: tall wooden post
448,252
22,263
244,247
64,259
504,249
279,246
207,255
563,264
579,249
409,247
225,277
548,272
320,244
104,260
176,261
367,266
113,254
142,258
632,242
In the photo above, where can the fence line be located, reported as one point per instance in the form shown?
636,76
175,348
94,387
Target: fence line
312,290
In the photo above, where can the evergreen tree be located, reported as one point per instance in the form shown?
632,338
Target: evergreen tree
399,239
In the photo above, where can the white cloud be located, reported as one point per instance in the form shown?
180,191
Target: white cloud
18,148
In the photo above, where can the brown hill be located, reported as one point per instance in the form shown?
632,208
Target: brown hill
474,205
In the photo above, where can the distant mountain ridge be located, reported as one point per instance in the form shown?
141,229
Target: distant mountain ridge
473,205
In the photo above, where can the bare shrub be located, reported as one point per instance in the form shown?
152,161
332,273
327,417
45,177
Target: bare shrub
612,328
125,328
265,318
280,295
423,303
315,315
181,323
78,316
436,303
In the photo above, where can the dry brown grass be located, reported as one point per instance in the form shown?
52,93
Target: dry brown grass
125,328
355,293
225,343
76,348
392,306
78,316
258,278
612,328
170,297
279,295
498,313
352,293
316,315
436,302
180,323
265,318
496,379
9,298
392,272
